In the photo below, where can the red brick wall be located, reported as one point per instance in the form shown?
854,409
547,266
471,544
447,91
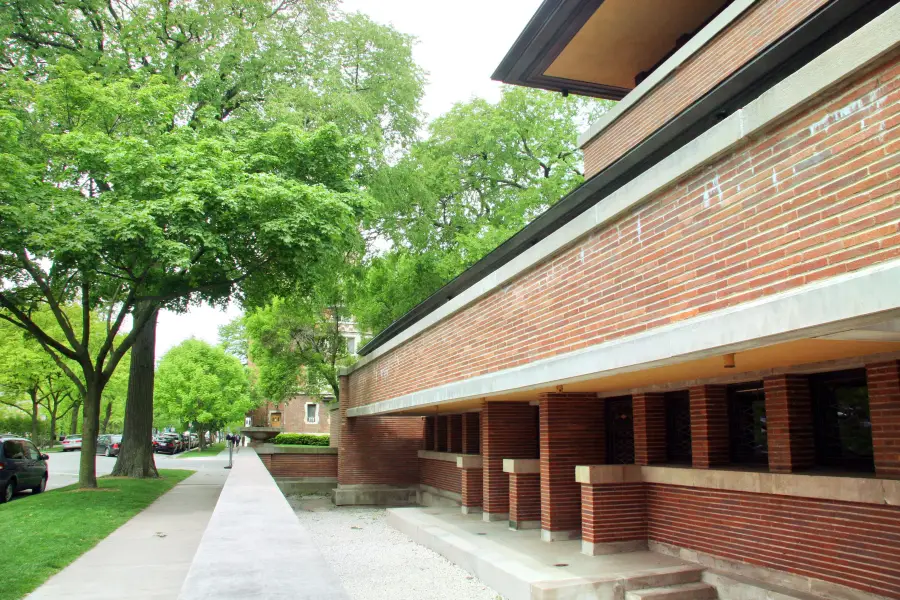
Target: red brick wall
811,199
508,430
732,48
440,474
884,405
789,423
301,465
377,450
709,426
842,542
293,415
613,512
649,428
472,481
572,434
524,497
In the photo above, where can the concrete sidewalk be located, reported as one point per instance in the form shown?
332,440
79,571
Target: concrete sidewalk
255,548
148,557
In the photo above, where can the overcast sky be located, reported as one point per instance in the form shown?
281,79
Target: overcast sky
459,45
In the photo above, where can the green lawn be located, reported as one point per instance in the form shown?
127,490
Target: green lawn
211,450
45,533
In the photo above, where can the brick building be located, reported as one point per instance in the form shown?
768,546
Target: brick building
696,352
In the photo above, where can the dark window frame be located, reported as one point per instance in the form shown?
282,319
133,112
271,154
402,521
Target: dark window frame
678,408
748,440
831,443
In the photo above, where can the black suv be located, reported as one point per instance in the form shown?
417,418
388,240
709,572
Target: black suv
22,467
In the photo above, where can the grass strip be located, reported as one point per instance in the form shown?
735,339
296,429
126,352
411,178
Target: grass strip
211,450
44,533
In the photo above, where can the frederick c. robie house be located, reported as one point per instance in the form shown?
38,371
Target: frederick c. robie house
696,354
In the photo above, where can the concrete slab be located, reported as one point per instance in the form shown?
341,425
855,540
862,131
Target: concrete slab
148,557
522,567
254,547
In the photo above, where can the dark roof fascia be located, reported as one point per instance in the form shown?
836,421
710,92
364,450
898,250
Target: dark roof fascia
826,27
545,36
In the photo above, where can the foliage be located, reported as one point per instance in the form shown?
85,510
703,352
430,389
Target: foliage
51,530
484,172
297,344
200,384
303,439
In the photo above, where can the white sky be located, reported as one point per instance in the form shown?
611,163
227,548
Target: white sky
459,44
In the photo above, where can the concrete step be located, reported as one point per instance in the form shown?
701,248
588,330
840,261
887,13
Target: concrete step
665,577
682,591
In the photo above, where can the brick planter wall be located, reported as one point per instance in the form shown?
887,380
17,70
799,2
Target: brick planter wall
440,474
524,499
301,465
613,513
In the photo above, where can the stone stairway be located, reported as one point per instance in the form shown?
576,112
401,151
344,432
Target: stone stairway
684,584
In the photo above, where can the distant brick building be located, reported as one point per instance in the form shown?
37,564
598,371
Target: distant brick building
302,414
698,350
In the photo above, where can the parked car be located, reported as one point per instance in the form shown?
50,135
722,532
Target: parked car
22,467
71,443
195,440
170,443
109,445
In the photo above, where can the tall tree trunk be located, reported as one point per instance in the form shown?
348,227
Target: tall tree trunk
136,457
74,427
106,417
52,427
90,424
35,430
202,433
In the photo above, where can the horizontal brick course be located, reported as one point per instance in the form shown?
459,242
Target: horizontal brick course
524,497
613,512
301,465
842,542
440,474
810,199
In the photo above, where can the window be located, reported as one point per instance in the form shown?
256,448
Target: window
351,345
748,436
312,413
678,427
32,452
13,449
843,430
619,431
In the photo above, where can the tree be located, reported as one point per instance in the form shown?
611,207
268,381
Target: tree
109,200
270,72
201,384
483,173
297,344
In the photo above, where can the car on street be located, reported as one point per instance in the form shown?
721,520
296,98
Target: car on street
109,444
71,443
22,467
170,443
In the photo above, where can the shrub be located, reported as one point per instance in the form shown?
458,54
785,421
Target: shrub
303,439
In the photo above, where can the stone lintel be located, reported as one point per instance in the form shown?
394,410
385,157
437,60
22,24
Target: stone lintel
469,461
599,474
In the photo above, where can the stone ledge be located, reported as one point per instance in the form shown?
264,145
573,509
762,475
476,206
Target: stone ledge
867,490
521,466
445,456
273,449
469,461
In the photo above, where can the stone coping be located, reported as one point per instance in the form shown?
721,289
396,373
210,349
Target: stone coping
446,456
252,534
521,465
867,490
469,461
273,449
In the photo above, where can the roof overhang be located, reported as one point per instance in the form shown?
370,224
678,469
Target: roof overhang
598,47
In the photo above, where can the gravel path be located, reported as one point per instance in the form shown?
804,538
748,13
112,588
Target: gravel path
377,562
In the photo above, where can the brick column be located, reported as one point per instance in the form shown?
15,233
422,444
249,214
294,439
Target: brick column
613,509
789,423
572,433
709,426
429,432
471,433
884,409
524,492
649,428
507,431
454,433
471,476
440,433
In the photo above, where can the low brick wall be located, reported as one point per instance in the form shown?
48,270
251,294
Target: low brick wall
847,543
299,462
440,474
